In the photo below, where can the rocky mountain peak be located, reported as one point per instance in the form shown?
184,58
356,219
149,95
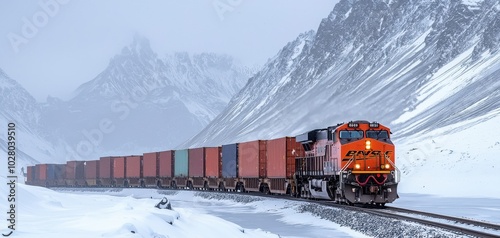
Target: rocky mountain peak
140,47
376,59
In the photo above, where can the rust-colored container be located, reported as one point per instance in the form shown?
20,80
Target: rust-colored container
31,175
165,163
119,164
41,170
75,169
106,168
70,169
281,155
133,168
91,169
213,162
150,164
252,159
37,174
197,162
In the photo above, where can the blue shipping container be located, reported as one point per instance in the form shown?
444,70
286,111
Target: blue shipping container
60,171
55,171
230,161
51,171
181,163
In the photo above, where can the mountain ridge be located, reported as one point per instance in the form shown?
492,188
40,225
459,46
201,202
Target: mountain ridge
385,55
140,102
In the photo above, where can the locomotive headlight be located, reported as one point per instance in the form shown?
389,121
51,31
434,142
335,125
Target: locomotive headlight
357,166
368,145
382,166
387,166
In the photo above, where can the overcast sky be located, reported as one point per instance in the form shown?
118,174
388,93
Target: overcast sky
52,48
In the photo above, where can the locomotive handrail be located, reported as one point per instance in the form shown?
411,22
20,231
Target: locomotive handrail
341,172
398,173
347,165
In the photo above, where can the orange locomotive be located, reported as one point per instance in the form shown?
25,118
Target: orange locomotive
350,163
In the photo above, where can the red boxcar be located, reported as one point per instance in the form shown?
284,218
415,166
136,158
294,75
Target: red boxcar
281,155
71,170
251,159
41,170
31,175
150,164
213,162
133,169
75,174
165,167
197,162
213,166
119,167
75,170
91,169
165,163
106,168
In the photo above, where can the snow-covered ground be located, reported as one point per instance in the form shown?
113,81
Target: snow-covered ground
131,213
480,209
460,160
45,213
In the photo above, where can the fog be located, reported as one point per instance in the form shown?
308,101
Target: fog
52,46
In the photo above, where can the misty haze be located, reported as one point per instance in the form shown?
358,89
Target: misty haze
86,80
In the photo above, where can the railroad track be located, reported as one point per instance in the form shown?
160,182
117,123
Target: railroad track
449,223
457,220
458,224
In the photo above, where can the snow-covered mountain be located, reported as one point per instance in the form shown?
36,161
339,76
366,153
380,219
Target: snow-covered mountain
421,67
144,102
20,108
17,103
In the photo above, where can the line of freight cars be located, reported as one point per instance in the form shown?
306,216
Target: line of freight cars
262,165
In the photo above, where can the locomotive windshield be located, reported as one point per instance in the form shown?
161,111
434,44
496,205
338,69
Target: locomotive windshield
377,134
351,134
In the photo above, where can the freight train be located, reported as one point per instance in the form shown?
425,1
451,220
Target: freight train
349,163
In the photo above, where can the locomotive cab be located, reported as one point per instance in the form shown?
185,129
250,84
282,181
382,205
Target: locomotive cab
351,163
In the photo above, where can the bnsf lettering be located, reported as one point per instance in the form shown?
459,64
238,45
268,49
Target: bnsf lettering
375,153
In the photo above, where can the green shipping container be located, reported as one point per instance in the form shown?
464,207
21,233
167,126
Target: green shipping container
181,163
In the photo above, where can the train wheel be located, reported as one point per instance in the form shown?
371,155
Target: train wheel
205,186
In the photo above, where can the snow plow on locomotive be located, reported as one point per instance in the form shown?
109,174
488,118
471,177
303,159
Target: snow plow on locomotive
350,163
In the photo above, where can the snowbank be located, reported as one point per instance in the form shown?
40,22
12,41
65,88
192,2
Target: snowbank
46,213
455,161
